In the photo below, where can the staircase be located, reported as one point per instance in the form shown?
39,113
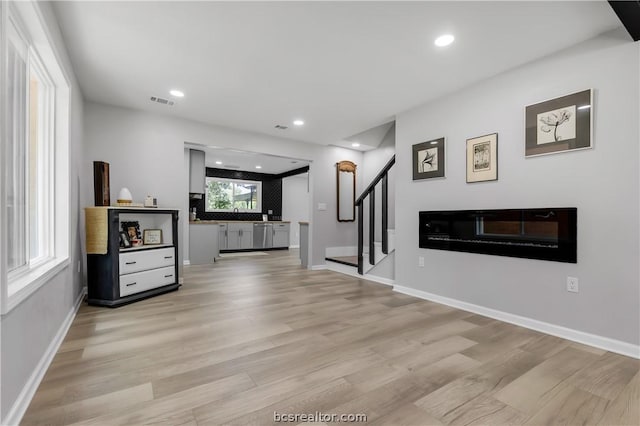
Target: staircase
367,259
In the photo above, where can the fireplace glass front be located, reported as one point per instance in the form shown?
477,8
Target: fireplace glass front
546,234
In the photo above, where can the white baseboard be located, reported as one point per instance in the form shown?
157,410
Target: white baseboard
318,267
294,246
351,271
186,262
381,280
28,391
594,340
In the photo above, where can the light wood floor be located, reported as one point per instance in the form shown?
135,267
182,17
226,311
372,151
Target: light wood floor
250,336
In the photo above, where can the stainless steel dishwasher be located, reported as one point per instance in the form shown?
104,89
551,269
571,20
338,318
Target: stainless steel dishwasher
262,235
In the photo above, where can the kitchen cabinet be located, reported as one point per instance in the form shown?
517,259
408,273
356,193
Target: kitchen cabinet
203,243
117,275
196,171
281,235
239,236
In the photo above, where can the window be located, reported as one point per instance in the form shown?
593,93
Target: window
35,164
224,195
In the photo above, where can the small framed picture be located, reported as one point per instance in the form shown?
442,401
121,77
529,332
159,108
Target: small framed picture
559,125
152,236
124,240
482,158
132,229
428,159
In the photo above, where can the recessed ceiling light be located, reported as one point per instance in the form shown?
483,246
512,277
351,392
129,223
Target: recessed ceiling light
444,40
355,144
218,162
298,122
176,93
258,167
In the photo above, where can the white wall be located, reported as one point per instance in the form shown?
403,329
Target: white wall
325,228
29,329
373,162
146,154
602,183
295,204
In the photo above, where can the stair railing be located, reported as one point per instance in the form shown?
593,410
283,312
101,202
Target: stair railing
370,192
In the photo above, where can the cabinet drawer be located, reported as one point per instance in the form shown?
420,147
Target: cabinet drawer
141,281
144,260
281,226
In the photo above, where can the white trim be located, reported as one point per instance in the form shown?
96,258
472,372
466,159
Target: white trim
28,391
381,280
353,272
186,262
33,280
181,280
319,267
294,246
589,339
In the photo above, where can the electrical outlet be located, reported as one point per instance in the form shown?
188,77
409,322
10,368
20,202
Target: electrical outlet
421,261
572,284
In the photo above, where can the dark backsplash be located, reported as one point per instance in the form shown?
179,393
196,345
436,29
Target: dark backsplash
271,195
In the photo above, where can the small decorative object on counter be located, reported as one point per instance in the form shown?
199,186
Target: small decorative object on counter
124,197
151,202
101,190
192,215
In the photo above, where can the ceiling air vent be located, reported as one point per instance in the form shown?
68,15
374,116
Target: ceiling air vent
281,127
162,101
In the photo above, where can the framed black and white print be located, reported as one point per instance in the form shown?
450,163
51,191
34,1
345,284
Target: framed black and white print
482,158
428,159
559,125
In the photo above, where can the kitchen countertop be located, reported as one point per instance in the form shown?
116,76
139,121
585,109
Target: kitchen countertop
215,222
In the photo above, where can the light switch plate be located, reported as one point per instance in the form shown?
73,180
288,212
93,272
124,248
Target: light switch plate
322,206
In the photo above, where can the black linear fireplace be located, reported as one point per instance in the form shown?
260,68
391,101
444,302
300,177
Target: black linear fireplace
547,234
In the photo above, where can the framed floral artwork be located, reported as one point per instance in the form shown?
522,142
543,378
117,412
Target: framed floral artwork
559,125
428,159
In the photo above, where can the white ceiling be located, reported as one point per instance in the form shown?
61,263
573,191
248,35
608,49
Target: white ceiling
247,161
343,67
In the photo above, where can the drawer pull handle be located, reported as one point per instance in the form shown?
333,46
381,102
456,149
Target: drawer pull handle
131,263
167,276
129,285
168,257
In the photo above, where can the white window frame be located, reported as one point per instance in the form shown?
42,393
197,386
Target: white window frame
258,208
17,286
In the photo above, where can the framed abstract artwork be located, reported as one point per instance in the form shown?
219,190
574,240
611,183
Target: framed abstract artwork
559,125
428,159
482,158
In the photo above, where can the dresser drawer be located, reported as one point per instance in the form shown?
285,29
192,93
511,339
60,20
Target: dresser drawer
141,281
144,260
